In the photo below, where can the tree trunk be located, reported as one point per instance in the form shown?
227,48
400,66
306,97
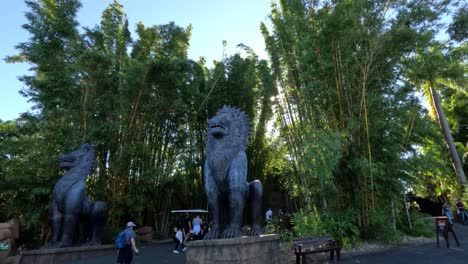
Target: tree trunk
407,211
393,216
448,136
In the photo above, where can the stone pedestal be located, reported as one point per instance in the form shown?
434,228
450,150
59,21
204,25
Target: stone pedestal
9,232
248,250
64,255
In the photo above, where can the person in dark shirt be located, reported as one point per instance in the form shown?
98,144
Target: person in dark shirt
187,227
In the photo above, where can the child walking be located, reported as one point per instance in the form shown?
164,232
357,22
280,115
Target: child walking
179,240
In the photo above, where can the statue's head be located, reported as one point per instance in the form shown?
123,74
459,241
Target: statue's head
81,156
229,124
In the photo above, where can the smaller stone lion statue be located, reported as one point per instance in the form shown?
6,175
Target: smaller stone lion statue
225,176
74,216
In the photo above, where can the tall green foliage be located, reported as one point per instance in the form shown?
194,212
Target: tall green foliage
348,115
141,102
350,134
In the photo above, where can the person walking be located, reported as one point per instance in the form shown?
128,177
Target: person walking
446,211
125,252
461,211
179,240
187,227
268,215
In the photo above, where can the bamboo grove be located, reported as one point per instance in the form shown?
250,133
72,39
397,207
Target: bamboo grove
337,119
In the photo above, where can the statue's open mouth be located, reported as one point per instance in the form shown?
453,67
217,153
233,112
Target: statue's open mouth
66,162
219,130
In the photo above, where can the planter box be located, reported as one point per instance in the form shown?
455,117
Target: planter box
5,253
64,255
249,250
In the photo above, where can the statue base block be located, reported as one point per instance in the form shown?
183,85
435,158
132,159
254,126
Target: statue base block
250,250
64,255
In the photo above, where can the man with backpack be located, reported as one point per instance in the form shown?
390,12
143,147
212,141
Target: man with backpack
124,242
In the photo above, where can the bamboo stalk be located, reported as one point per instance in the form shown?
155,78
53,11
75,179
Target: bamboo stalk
448,136
393,216
407,211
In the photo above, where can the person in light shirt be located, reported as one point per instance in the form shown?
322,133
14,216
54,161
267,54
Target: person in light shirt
179,239
196,226
462,211
446,211
268,215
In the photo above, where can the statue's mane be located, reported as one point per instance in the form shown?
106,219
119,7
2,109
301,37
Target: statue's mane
84,165
239,121
88,161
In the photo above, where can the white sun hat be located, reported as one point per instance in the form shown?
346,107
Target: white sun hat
129,224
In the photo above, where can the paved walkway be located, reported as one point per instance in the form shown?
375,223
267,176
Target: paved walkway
420,254
159,253
415,254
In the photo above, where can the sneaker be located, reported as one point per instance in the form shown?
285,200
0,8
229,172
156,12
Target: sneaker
176,251
185,248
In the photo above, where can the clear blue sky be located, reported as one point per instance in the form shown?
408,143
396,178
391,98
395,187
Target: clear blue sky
213,21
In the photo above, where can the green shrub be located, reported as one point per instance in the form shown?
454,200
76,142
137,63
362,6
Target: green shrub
340,226
307,224
422,224
421,229
381,229
281,226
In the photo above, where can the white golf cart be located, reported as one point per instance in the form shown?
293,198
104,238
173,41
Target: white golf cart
192,213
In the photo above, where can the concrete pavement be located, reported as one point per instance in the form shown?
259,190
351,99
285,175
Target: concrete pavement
426,253
160,253
420,254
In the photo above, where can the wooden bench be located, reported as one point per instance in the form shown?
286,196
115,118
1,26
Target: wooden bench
312,245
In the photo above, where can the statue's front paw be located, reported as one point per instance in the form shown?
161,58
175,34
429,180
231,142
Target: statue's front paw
51,245
255,231
92,243
212,234
65,244
231,232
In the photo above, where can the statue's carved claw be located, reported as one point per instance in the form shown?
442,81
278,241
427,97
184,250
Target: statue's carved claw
92,243
64,244
51,245
231,232
56,245
212,234
255,230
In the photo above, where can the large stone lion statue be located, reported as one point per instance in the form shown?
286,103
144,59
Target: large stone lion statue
225,176
75,218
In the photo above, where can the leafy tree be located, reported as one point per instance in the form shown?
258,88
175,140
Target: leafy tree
137,100
432,68
53,87
457,29
348,116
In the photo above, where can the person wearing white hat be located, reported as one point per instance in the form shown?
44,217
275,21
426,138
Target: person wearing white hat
125,253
